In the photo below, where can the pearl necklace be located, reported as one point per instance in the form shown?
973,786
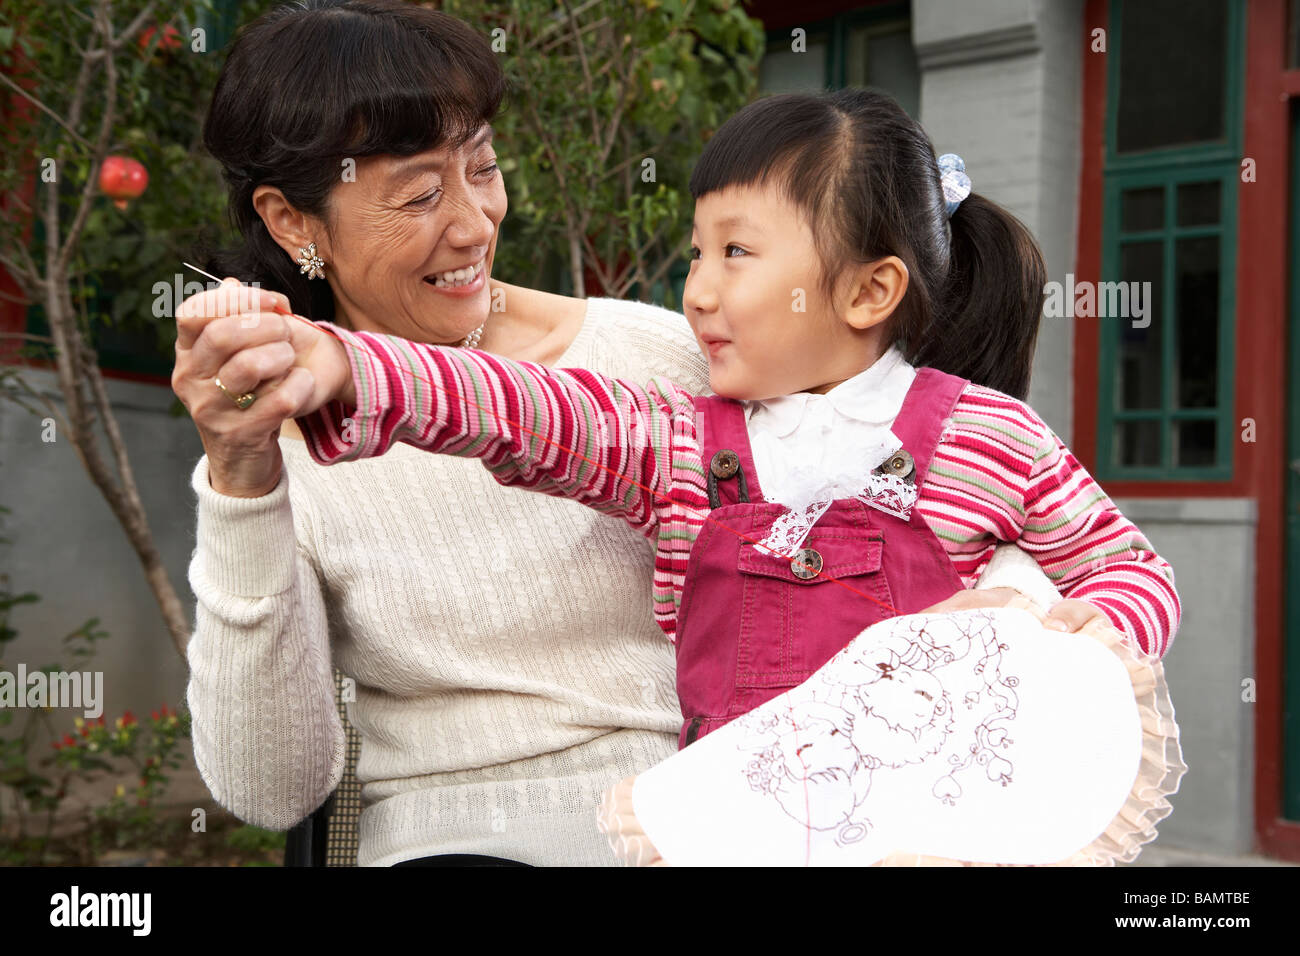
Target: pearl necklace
471,341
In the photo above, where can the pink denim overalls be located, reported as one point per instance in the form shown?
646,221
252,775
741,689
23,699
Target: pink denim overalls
753,625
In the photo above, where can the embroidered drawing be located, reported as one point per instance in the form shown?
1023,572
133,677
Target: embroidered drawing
885,706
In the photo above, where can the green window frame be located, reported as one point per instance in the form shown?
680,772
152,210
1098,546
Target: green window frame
1166,168
837,30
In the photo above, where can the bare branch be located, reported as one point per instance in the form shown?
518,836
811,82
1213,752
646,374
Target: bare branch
580,45
45,401
101,143
556,24
632,159
43,339
540,129
44,109
654,237
602,271
84,74
15,197
586,28
661,271
17,300
26,274
611,133
134,26
90,369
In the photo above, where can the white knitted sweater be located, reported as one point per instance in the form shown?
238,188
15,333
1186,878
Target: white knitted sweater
506,660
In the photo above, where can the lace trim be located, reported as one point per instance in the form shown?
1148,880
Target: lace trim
888,493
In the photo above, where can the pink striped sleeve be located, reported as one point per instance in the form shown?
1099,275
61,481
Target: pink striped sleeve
570,433
1092,552
1001,474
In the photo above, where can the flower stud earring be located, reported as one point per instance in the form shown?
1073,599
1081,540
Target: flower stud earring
312,265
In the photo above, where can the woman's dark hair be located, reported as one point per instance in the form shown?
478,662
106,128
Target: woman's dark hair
865,175
312,83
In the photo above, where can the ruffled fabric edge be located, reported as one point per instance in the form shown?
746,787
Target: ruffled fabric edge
1159,774
1161,769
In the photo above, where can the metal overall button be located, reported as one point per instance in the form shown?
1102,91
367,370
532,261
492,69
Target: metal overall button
725,464
899,463
806,564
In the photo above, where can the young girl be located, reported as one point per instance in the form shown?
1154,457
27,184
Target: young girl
869,324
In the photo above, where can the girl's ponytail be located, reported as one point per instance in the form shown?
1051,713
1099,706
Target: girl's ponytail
987,321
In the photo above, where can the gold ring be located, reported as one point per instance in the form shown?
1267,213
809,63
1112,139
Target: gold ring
243,401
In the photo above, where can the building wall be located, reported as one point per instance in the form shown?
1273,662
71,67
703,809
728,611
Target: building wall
1001,86
1211,544
67,546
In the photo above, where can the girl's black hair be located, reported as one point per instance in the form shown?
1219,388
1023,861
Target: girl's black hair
866,176
315,82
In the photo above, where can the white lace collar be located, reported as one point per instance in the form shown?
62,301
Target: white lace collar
873,396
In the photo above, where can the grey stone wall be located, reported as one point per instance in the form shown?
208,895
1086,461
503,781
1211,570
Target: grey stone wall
1211,544
67,546
1001,85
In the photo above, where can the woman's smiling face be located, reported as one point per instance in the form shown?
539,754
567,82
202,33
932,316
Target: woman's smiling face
412,239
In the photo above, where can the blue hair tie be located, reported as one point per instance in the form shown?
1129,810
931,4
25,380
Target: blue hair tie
955,182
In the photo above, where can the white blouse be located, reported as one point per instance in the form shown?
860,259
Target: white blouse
805,444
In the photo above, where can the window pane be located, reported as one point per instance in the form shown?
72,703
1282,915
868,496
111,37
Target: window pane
1137,444
1196,264
1140,371
1142,209
1194,444
785,71
1172,67
1198,204
883,57
1293,36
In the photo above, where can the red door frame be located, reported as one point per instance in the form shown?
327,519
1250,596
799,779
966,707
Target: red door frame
1260,373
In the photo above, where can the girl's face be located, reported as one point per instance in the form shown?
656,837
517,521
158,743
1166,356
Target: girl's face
753,298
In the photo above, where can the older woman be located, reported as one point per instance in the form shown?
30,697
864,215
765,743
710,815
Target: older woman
505,655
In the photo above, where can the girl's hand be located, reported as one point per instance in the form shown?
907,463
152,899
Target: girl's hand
1073,616
250,340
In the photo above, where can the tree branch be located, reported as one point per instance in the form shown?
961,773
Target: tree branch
126,476
586,69
17,300
560,40
134,26
46,402
551,27
101,143
26,275
84,74
44,109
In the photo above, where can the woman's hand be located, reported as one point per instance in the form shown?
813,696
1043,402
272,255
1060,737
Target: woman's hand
249,339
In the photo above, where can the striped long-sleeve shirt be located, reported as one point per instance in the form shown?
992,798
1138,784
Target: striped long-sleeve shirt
633,451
